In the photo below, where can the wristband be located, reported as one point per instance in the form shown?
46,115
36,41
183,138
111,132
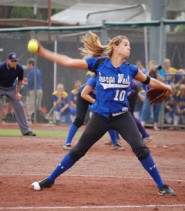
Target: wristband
147,81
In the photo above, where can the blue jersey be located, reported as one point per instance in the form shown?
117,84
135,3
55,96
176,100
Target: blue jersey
73,95
112,86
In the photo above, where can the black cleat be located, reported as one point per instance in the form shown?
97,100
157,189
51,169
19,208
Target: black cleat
166,190
30,133
117,146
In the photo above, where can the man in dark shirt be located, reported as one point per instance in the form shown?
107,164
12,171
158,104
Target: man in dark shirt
10,70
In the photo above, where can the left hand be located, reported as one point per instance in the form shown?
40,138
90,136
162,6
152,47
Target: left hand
18,96
157,95
168,90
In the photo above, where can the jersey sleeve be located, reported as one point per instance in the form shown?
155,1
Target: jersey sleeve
71,97
91,62
133,70
91,82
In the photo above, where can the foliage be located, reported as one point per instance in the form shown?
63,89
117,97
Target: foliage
27,12
21,12
180,28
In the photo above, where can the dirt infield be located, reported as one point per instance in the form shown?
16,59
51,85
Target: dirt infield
104,179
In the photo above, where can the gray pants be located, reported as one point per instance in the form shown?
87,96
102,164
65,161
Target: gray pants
9,92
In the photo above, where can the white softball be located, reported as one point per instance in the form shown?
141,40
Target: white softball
33,46
35,186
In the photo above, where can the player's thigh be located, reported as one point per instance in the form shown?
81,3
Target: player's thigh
96,127
127,128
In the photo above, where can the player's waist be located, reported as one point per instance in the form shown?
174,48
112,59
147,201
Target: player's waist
118,113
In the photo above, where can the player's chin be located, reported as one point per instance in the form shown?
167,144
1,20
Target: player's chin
126,55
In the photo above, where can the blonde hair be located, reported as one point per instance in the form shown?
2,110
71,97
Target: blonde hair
93,46
60,86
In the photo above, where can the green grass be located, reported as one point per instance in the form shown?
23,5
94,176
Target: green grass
40,133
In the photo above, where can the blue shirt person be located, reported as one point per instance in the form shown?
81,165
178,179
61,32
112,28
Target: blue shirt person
72,99
61,106
34,87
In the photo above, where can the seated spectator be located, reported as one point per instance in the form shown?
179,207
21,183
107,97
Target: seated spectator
167,66
140,66
181,111
169,71
61,107
73,97
180,108
179,77
169,110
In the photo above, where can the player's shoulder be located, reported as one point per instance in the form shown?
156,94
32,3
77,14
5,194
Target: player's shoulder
55,93
132,67
19,67
74,91
94,62
64,94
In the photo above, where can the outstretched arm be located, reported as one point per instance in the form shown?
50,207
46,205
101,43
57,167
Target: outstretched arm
154,83
63,60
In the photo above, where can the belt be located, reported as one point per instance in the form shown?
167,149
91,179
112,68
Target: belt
117,114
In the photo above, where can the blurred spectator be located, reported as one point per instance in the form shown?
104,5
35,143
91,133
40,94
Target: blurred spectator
179,78
147,108
72,99
180,105
24,90
34,81
61,106
141,91
181,111
140,66
140,100
132,98
169,110
169,71
167,66
10,115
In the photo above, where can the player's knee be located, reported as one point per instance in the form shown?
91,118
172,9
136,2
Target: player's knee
76,154
142,153
78,122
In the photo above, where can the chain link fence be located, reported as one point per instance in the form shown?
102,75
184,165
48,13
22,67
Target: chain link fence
67,40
